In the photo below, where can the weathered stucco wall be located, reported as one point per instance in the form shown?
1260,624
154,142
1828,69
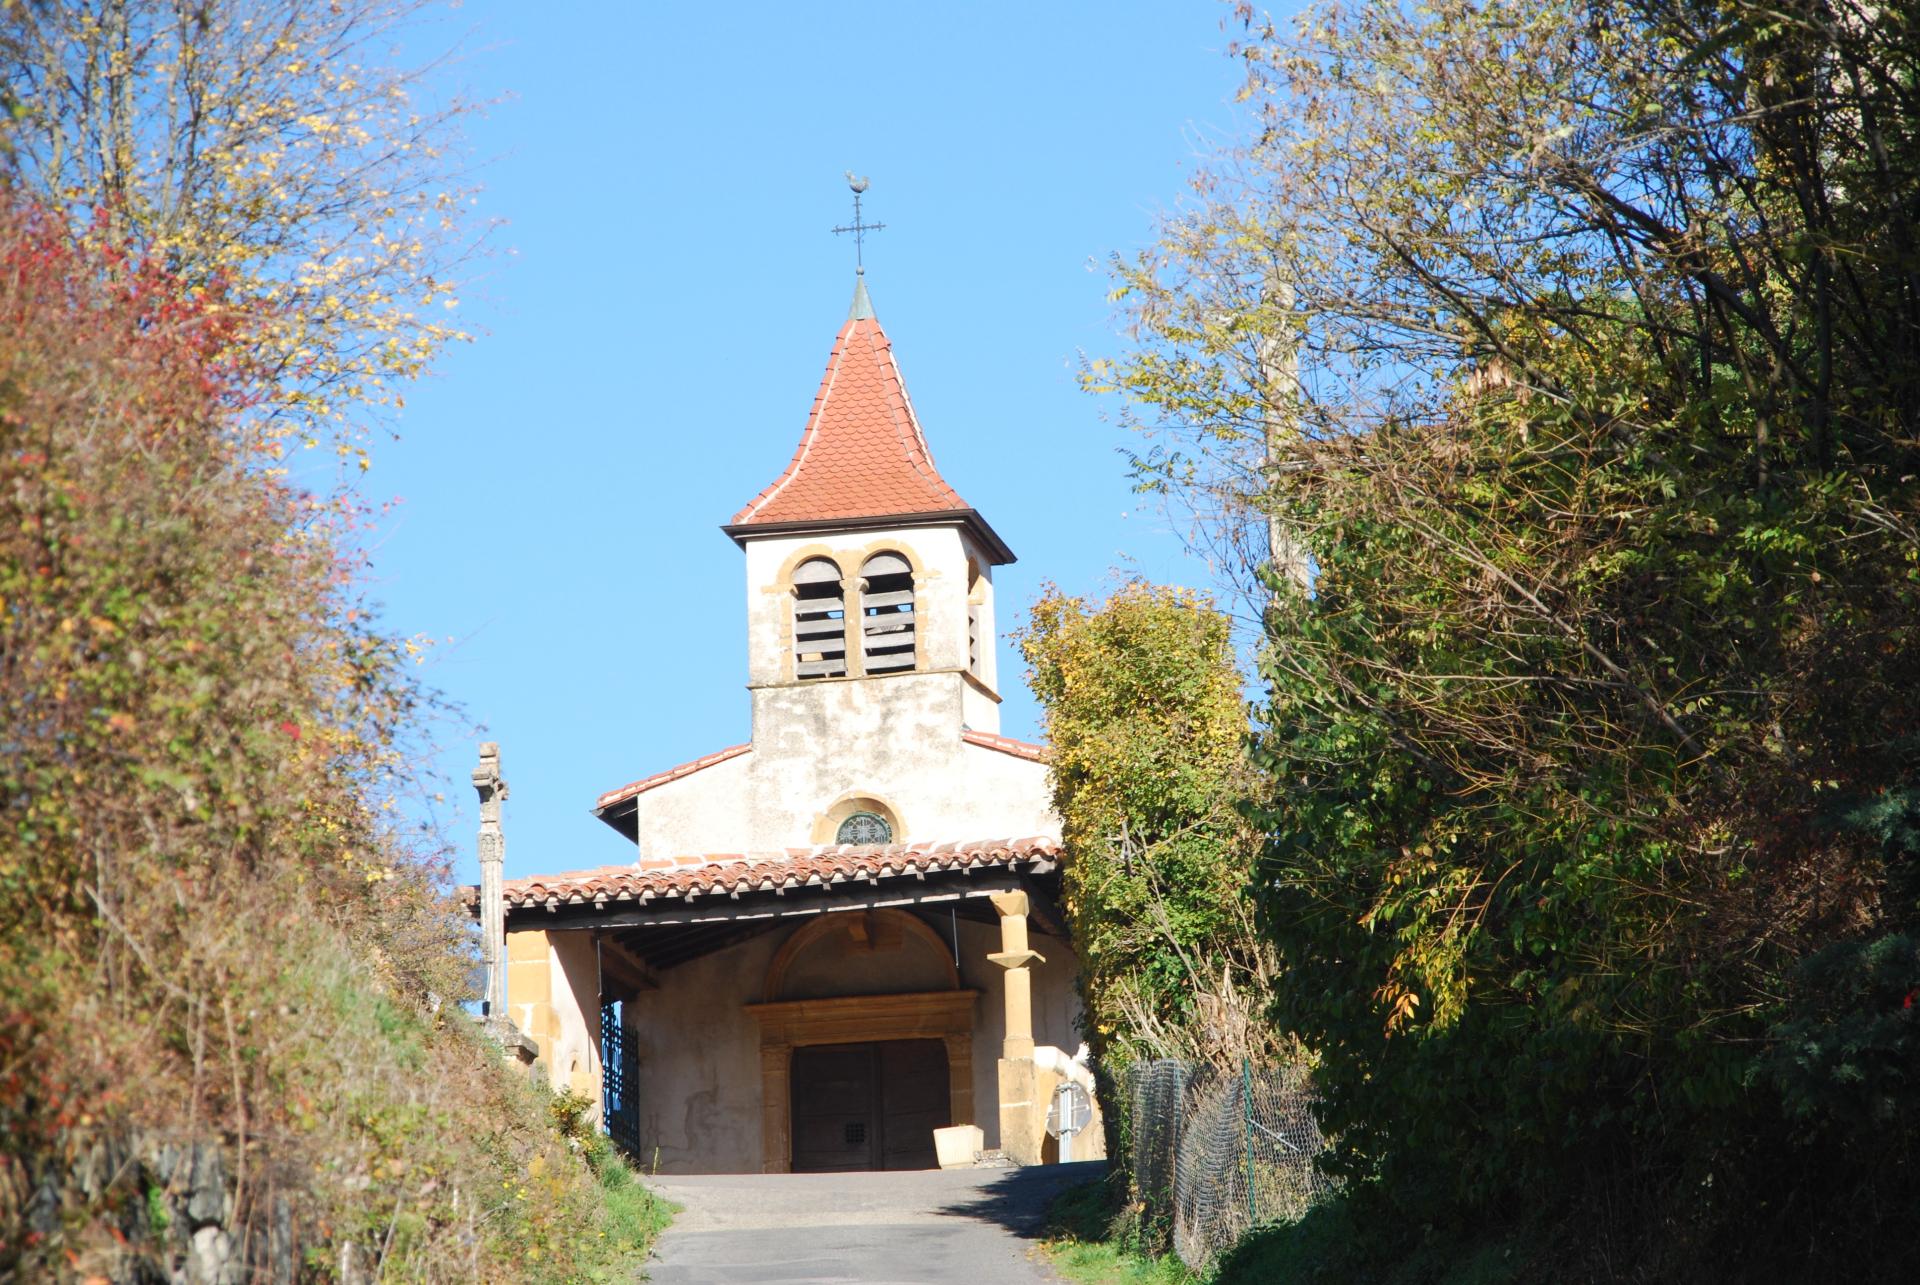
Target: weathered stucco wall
699,1082
822,743
697,814
553,989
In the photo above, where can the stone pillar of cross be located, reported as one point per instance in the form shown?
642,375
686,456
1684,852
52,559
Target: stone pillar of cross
493,854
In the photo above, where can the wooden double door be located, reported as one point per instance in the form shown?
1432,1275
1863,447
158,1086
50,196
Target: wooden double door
868,1106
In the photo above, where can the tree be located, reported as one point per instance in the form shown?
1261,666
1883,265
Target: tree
282,151
1591,796
1147,731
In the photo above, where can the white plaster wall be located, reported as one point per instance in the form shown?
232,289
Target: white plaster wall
1014,792
698,814
824,742
979,711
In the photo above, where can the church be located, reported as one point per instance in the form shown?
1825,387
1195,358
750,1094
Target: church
837,944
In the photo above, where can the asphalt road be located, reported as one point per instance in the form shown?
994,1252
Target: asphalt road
952,1227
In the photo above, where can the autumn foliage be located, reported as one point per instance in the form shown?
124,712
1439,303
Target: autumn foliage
304,155
208,932
1147,728
1576,346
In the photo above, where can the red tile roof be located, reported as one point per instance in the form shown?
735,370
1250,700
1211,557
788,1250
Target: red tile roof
1006,745
734,874
646,783
862,454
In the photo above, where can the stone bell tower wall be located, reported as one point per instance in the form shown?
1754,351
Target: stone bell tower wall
953,593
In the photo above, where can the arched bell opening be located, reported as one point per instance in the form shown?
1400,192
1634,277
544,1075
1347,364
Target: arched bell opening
819,620
887,620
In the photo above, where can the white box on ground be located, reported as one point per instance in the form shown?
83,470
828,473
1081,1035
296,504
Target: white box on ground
958,1146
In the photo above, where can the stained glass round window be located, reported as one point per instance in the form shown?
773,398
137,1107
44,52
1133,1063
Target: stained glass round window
864,828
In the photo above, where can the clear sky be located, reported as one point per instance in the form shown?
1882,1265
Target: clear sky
651,342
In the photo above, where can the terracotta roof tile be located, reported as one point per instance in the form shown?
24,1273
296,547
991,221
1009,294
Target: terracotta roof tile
1006,745
862,454
646,783
732,874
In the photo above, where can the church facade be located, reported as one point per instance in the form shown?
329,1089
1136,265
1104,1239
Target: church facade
838,937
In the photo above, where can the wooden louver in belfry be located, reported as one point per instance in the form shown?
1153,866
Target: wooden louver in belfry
819,621
886,614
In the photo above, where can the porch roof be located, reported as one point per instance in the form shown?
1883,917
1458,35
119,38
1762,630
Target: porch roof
734,874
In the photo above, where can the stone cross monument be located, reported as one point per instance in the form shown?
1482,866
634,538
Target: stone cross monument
493,855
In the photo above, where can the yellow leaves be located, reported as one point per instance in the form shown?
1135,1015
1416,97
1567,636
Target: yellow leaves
1400,1003
306,152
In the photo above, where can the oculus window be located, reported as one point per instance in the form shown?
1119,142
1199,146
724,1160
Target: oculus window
864,828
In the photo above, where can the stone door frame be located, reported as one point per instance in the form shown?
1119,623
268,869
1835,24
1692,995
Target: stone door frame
856,1019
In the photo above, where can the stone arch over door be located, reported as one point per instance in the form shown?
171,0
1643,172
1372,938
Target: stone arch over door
945,1014
868,930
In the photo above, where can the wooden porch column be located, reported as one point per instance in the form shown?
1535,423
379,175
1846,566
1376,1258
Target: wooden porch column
959,1077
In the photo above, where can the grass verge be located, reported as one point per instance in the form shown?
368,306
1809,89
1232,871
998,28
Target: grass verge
1092,1241
631,1215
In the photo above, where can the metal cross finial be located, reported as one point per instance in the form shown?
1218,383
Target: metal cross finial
858,228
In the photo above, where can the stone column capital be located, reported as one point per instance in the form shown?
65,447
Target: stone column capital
1009,903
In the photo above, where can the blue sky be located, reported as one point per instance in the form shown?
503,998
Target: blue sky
651,340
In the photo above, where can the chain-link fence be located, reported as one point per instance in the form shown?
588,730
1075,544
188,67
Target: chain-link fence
1215,1154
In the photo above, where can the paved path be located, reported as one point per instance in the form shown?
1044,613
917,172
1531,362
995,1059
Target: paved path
954,1227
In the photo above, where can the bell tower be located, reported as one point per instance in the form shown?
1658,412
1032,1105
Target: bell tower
869,580
871,666
871,669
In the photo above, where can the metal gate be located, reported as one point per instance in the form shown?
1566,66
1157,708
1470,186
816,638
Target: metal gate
619,1079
